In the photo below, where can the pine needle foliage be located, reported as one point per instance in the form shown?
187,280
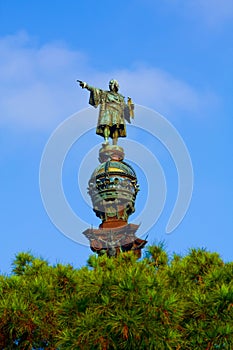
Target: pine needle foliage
119,303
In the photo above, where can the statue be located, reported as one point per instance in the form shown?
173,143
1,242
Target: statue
113,110
113,185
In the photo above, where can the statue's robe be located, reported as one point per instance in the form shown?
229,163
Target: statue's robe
112,113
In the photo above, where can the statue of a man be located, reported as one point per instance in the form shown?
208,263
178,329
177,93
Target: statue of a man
113,110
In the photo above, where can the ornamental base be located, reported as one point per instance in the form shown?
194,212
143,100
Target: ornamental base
113,241
111,152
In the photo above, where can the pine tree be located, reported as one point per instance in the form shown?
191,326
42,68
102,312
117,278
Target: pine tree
119,303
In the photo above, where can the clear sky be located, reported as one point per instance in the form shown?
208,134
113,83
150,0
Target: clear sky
173,56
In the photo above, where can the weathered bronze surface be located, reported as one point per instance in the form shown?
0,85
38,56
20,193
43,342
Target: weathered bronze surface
113,110
113,185
115,240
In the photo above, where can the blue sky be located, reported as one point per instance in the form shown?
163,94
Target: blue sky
174,57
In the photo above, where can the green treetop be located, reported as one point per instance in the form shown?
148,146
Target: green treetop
119,303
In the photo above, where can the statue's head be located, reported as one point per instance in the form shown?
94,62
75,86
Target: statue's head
113,85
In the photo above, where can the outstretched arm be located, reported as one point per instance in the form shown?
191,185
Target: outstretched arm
86,86
82,84
95,93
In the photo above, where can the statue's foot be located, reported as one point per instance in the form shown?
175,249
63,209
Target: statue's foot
106,143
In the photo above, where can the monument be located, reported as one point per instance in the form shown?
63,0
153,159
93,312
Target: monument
113,185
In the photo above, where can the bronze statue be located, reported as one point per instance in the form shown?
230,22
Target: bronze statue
113,185
113,110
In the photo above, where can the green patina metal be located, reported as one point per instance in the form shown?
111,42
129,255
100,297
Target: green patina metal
113,110
113,188
113,185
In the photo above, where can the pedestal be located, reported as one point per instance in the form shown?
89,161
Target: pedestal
115,240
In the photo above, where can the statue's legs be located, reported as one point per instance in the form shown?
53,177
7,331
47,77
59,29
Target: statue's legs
115,137
106,133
